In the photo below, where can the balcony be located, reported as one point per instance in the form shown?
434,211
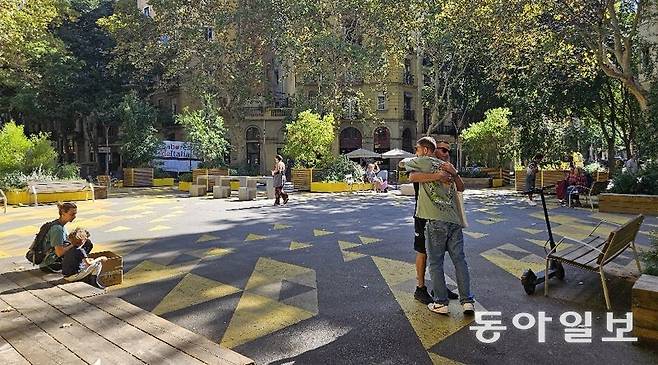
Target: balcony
260,113
447,130
409,114
408,78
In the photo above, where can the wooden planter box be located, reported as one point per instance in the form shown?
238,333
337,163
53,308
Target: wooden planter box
100,192
138,177
209,172
112,271
602,176
302,179
167,181
338,187
477,182
645,308
544,177
628,203
104,180
496,183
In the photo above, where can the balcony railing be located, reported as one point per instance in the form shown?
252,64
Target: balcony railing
448,130
263,113
409,114
408,78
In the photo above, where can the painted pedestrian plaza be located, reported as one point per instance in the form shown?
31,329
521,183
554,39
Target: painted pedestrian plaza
327,275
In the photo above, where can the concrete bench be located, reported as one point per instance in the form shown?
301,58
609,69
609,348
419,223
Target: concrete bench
36,187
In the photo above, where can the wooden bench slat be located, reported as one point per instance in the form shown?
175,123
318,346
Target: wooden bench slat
35,345
138,343
181,338
9,355
79,339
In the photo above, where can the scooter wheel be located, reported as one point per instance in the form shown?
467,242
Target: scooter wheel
559,272
528,280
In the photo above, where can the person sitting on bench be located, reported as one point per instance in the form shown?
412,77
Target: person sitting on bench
76,266
576,181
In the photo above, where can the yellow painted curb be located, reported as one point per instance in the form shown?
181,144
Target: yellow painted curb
22,197
168,181
337,187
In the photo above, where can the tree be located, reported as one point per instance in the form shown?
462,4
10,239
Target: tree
205,130
490,141
139,139
23,153
334,47
309,138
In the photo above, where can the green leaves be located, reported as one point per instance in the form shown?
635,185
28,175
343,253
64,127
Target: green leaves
139,138
490,141
205,130
309,138
21,153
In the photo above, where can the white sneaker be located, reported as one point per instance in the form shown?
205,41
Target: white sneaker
438,308
469,308
531,203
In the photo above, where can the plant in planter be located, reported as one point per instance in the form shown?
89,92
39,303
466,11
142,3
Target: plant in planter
492,140
185,177
309,139
650,257
336,168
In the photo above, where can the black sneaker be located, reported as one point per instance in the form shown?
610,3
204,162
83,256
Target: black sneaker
423,296
451,295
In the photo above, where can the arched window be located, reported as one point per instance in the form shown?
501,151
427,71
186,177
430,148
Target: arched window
407,142
382,139
350,140
253,146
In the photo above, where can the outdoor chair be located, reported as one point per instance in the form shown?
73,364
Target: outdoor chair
595,189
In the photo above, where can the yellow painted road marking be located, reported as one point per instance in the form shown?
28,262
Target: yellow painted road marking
118,229
281,226
260,312
368,240
148,272
294,245
159,228
430,328
254,237
321,232
206,238
475,235
347,255
563,246
530,230
615,218
512,265
161,219
20,231
257,316
192,290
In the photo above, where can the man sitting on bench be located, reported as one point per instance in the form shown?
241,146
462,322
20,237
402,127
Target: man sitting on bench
76,266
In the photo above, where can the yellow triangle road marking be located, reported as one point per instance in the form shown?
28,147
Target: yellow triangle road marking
118,229
349,256
206,238
344,245
321,232
367,240
162,219
254,237
294,245
159,228
281,226
475,235
192,290
530,230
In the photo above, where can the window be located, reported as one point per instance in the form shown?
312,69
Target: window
407,141
350,140
160,103
381,101
351,108
210,33
253,146
382,140
174,107
147,11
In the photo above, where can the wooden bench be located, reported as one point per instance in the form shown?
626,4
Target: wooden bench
3,199
44,320
36,187
596,252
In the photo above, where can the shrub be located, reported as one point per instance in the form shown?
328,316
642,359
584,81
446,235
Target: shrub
68,171
594,167
160,174
309,138
645,182
13,180
650,257
335,169
22,153
186,177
